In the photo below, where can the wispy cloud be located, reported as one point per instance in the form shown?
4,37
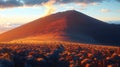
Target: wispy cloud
105,10
118,11
10,3
20,3
49,7
118,0
7,26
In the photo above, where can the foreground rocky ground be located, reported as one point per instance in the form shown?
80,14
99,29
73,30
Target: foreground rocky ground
58,55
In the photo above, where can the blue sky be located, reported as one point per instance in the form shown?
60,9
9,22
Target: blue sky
17,14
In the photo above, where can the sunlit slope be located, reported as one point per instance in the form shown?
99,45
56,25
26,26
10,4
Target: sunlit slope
65,26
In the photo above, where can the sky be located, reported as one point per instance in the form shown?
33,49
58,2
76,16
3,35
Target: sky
14,13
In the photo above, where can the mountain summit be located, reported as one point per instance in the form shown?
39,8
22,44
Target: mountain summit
65,26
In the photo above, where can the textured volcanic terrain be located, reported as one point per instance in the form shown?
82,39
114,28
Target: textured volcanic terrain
65,26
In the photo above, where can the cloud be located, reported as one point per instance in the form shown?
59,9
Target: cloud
118,0
7,26
118,10
80,1
95,4
105,10
3,29
10,3
33,2
49,7
19,3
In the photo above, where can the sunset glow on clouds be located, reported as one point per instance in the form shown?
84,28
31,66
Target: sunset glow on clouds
19,12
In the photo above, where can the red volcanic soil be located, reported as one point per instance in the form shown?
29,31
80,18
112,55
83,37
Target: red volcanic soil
65,26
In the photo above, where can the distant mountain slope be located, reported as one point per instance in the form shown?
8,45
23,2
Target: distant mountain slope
66,26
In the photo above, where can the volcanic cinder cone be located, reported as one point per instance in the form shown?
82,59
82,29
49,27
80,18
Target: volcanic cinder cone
65,26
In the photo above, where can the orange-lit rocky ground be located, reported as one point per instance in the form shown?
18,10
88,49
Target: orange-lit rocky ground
58,55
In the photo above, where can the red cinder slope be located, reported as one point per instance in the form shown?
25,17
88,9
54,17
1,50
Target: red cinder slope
65,26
